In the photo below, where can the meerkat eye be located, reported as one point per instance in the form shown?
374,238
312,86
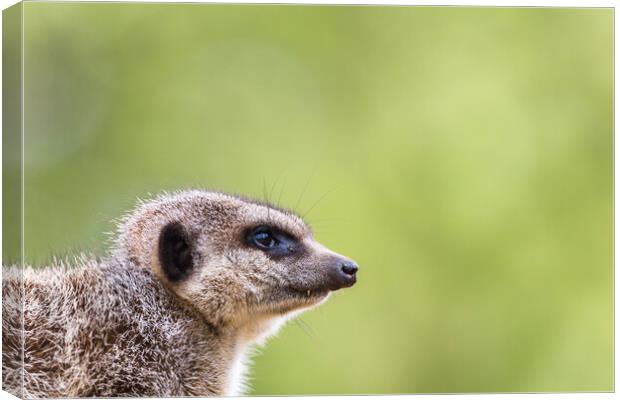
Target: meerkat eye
273,241
264,240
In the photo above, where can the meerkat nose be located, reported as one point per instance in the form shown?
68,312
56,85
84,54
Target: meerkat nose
342,273
349,267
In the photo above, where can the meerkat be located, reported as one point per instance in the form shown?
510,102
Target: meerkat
194,279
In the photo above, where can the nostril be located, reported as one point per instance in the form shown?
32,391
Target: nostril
349,268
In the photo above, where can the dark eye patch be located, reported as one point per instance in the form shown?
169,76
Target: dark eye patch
273,241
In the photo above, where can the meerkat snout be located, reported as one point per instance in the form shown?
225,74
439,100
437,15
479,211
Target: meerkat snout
193,280
335,273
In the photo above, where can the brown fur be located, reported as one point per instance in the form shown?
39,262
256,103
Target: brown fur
120,327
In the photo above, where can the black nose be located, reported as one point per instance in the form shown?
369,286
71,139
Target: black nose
342,274
349,268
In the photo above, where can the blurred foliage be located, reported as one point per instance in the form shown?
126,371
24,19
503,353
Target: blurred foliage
463,157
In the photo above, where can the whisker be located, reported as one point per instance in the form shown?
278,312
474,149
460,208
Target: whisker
265,194
281,191
306,328
316,203
335,219
273,186
304,189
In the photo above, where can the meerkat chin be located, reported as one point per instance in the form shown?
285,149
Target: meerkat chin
194,279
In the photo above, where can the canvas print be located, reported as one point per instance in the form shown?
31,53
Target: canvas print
231,199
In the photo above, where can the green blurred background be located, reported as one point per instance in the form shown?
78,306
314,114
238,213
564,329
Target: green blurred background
463,156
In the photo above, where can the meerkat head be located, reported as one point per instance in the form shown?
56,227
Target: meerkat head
233,259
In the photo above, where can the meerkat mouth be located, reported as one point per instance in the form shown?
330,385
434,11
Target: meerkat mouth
297,299
291,298
303,299
316,293
310,295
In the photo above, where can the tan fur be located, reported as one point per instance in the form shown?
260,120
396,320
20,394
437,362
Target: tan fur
120,327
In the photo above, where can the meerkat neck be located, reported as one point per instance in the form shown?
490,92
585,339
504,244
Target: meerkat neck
193,350
243,339
223,348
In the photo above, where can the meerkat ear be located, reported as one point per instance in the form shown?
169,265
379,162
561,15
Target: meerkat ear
175,251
